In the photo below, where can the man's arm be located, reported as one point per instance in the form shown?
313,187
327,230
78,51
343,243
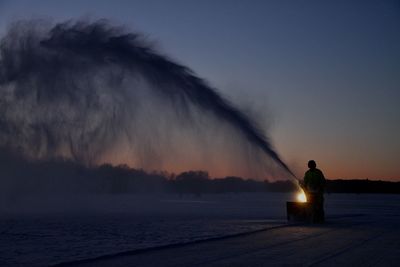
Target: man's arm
305,181
322,180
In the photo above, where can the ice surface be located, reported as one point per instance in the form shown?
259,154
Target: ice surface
93,226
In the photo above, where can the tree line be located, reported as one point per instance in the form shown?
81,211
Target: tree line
61,175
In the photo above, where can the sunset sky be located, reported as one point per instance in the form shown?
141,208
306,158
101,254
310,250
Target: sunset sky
323,77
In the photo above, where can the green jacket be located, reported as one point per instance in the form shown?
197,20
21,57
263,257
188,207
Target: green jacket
314,181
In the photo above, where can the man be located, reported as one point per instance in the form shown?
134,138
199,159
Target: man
314,185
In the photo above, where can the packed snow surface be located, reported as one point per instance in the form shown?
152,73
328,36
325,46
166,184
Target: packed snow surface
46,231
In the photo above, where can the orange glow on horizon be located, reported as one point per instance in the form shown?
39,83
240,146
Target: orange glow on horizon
220,165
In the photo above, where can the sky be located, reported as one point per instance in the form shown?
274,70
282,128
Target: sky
323,77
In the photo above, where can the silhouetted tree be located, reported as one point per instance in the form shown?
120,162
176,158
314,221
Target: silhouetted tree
194,182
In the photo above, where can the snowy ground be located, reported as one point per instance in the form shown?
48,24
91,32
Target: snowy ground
45,232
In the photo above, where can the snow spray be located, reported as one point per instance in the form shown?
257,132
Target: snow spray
73,89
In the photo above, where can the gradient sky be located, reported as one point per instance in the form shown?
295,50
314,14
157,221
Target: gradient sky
322,76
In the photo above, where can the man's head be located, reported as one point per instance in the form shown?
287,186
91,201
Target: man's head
311,164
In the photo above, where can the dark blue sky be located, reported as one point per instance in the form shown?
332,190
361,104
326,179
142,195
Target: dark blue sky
324,75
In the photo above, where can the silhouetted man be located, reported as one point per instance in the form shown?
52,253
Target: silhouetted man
314,186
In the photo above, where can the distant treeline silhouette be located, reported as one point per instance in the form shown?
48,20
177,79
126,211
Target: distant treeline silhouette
365,186
60,176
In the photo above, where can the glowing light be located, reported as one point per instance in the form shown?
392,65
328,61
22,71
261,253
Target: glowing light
301,197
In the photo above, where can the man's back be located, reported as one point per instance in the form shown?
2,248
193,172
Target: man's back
314,181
